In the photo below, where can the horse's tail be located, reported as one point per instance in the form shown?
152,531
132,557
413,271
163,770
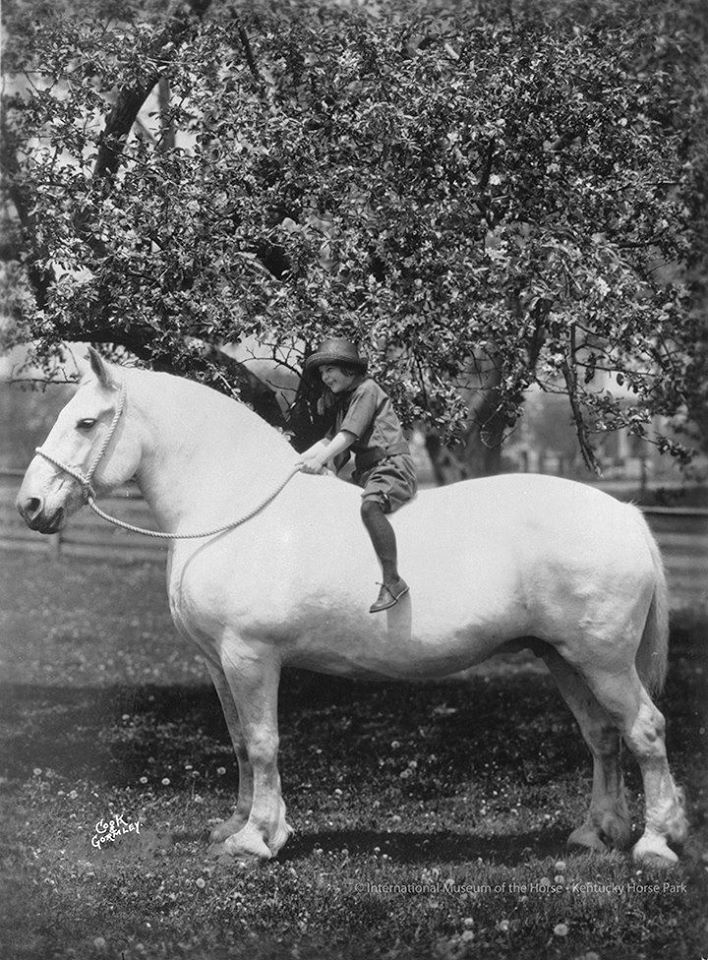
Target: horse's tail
653,652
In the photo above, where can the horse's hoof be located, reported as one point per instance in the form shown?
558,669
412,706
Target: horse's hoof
248,847
587,838
653,851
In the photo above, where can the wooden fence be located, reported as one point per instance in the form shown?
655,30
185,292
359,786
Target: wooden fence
87,535
682,535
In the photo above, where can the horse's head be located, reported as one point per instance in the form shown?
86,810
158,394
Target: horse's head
88,448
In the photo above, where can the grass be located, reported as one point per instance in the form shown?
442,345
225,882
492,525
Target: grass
430,818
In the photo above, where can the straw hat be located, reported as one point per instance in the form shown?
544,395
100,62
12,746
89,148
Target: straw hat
336,350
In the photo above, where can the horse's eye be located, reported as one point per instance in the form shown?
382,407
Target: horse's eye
86,424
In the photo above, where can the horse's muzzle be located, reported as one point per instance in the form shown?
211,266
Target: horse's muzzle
32,510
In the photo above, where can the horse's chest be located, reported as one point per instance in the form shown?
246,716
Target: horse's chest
208,597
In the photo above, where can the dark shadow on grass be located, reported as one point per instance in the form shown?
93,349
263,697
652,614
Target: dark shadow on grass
110,733
104,733
432,847
334,730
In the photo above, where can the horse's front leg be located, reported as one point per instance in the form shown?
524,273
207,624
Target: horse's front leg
239,817
252,672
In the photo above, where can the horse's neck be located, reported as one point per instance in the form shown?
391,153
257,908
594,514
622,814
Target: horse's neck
205,458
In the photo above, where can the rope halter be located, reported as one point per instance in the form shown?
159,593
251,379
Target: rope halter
86,479
89,494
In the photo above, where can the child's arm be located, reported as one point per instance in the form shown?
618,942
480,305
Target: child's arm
320,454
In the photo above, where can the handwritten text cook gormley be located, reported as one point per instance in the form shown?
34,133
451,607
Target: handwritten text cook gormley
109,831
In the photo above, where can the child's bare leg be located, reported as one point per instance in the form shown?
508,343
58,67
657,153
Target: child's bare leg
383,539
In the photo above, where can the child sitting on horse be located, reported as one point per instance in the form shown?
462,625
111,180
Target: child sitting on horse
366,424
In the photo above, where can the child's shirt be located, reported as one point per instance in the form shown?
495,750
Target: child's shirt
367,412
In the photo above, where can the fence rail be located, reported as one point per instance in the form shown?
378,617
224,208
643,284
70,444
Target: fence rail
87,535
682,534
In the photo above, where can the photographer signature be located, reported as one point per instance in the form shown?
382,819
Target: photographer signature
109,831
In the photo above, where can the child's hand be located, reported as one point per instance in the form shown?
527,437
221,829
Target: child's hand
312,464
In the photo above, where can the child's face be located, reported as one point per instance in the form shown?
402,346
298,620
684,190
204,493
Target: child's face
335,378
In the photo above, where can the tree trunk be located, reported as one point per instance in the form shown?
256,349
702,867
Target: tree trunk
479,452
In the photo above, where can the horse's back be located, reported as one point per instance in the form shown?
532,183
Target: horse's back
528,514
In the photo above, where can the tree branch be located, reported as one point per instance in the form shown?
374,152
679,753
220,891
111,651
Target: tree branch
247,49
119,122
139,341
571,382
40,277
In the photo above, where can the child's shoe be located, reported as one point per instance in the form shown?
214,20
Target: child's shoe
389,595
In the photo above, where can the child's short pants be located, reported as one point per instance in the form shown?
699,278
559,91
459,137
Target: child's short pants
392,481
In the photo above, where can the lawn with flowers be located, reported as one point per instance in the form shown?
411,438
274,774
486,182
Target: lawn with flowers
429,819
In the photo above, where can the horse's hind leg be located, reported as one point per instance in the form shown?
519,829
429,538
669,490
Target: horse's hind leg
624,697
239,817
607,822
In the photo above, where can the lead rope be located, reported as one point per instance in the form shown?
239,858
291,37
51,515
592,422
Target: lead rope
90,493
194,536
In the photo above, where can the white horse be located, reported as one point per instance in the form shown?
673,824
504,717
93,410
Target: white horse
493,564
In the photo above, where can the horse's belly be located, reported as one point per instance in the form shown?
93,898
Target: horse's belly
313,606
424,635
397,654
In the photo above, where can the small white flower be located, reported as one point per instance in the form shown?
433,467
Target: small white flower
602,287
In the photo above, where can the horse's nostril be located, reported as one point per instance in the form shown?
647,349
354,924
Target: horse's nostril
32,507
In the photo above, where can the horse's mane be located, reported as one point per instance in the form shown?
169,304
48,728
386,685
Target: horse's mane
185,395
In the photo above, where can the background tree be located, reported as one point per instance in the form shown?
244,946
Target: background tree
485,201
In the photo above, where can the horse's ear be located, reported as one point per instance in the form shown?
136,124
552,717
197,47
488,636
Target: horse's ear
100,368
